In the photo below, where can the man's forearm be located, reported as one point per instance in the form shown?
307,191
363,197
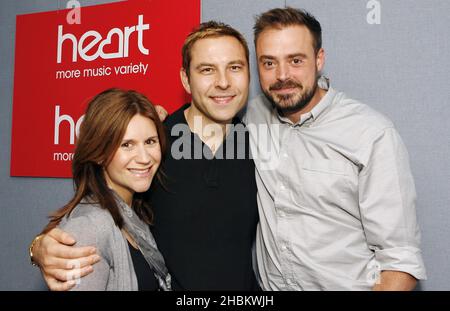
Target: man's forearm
395,281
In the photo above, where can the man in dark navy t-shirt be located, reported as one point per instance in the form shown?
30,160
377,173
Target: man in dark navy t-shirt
205,219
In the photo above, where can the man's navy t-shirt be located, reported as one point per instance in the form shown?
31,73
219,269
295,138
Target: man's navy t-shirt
205,220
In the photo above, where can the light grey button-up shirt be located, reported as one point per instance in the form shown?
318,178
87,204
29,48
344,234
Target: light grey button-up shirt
336,197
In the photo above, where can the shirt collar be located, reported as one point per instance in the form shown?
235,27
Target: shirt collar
309,117
181,118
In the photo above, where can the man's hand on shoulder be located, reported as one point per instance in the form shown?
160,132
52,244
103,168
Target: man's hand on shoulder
162,113
60,262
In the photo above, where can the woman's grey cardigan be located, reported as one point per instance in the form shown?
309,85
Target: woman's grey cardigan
92,226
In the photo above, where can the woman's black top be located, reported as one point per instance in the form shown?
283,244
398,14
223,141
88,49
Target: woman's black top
145,277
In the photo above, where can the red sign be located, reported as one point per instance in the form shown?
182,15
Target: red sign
59,67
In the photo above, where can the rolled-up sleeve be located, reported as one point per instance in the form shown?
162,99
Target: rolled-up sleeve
387,199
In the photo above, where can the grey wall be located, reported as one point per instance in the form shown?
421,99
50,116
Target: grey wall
400,67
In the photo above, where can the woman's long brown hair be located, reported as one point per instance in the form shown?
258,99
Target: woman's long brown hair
101,133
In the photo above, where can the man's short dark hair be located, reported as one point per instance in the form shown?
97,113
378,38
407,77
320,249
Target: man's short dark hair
283,17
211,29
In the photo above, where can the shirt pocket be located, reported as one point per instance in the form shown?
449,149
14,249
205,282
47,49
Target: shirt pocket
327,185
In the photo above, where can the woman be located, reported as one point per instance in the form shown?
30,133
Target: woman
118,153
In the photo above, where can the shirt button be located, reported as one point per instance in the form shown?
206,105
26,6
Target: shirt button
285,155
282,187
282,214
283,247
